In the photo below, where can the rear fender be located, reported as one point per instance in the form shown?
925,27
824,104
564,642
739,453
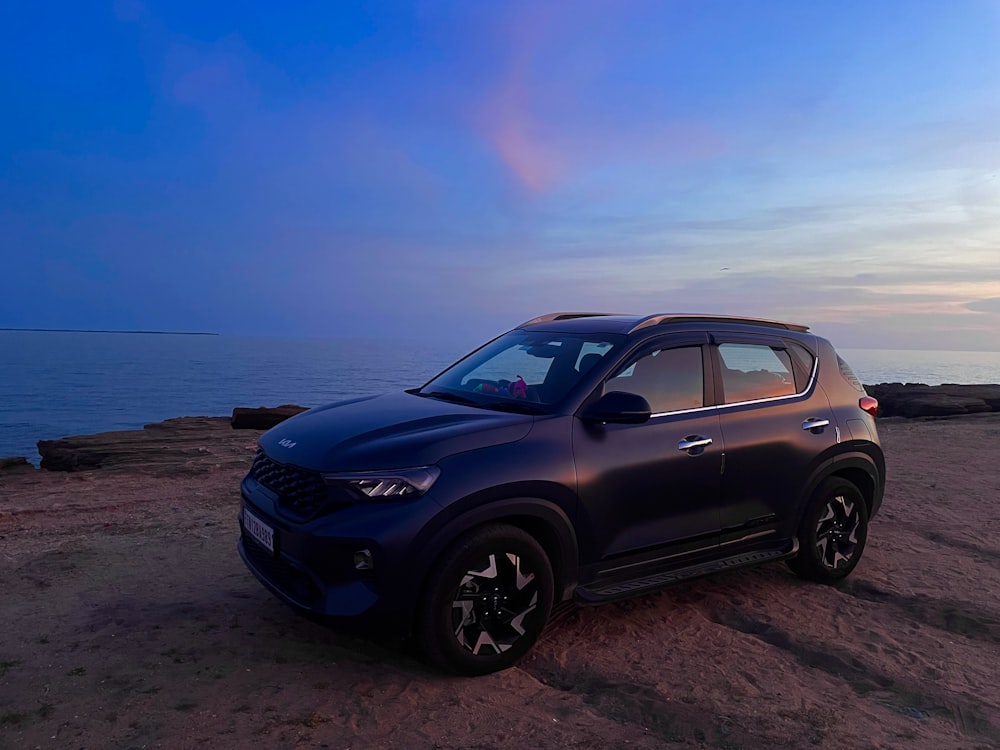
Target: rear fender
858,467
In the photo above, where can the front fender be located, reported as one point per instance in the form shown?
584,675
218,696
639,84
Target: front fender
543,519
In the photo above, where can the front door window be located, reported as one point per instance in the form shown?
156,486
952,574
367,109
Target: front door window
669,379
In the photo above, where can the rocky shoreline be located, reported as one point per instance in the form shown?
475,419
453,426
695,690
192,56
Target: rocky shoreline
176,441
915,400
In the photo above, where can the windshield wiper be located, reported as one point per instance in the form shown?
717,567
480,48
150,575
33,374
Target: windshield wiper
452,397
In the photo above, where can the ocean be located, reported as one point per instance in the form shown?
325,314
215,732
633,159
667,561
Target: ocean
54,384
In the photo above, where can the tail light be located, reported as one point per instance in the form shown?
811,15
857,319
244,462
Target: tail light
869,404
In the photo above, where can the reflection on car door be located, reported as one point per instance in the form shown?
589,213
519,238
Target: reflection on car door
641,486
770,448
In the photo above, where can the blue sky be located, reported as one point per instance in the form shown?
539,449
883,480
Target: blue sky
449,169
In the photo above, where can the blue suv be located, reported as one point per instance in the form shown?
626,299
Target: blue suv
579,456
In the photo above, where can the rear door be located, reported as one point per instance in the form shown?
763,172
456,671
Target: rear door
776,424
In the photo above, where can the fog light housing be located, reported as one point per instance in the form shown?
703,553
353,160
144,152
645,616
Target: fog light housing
363,560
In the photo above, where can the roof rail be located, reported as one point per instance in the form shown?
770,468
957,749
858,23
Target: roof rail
563,316
655,320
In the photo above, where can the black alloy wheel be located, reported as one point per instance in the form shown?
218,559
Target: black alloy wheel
487,601
833,532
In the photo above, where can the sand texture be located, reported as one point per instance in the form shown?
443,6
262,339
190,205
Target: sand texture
129,621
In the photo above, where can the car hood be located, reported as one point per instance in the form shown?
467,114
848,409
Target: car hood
393,431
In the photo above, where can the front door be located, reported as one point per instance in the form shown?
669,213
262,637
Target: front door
653,487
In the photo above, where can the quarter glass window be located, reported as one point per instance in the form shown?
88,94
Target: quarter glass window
669,379
755,371
591,353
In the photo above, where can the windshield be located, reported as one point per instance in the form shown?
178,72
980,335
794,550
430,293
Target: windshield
522,368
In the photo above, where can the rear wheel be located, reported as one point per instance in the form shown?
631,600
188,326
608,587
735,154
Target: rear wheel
488,600
833,532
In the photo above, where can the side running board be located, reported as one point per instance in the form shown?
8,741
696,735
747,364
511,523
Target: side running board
620,589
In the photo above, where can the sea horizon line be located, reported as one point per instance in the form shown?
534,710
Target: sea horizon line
111,330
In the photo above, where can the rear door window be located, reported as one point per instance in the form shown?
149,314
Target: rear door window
751,372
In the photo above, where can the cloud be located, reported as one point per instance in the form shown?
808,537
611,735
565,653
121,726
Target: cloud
910,265
554,112
991,305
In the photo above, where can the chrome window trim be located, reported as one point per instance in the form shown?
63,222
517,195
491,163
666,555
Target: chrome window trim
762,400
681,411
797,394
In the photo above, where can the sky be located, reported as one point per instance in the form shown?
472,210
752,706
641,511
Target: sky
447,170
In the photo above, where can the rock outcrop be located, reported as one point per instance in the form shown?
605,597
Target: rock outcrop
264,417
169,446
918,400
14,463
182,445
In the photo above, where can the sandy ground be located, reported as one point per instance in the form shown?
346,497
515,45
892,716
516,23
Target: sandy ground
128,621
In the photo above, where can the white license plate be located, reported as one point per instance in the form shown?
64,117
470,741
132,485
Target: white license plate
259,530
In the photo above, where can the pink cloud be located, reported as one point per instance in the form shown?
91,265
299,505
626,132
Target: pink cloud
506,120
540,160
544,128
515,135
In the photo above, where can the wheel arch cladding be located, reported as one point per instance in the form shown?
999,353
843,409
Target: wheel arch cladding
550,541
857,468
544,521
860,479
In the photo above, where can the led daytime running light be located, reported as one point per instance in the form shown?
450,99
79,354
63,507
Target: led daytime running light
405,483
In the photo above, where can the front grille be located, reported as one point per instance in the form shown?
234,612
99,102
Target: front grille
302,493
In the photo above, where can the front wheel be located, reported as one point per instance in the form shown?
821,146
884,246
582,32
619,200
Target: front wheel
487,601
833,532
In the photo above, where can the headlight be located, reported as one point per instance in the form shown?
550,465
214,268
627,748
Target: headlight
402,483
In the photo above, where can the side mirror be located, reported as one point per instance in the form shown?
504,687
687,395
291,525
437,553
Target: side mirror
619,407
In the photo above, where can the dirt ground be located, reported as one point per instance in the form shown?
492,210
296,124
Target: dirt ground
129,621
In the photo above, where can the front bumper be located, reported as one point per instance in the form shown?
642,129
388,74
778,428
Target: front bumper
295,585
312,566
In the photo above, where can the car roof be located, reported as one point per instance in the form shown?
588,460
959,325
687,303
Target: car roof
597,322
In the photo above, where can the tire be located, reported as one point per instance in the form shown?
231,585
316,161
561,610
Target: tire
486,601
833,532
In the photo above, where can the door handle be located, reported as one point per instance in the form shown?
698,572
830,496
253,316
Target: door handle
694,443
815,425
